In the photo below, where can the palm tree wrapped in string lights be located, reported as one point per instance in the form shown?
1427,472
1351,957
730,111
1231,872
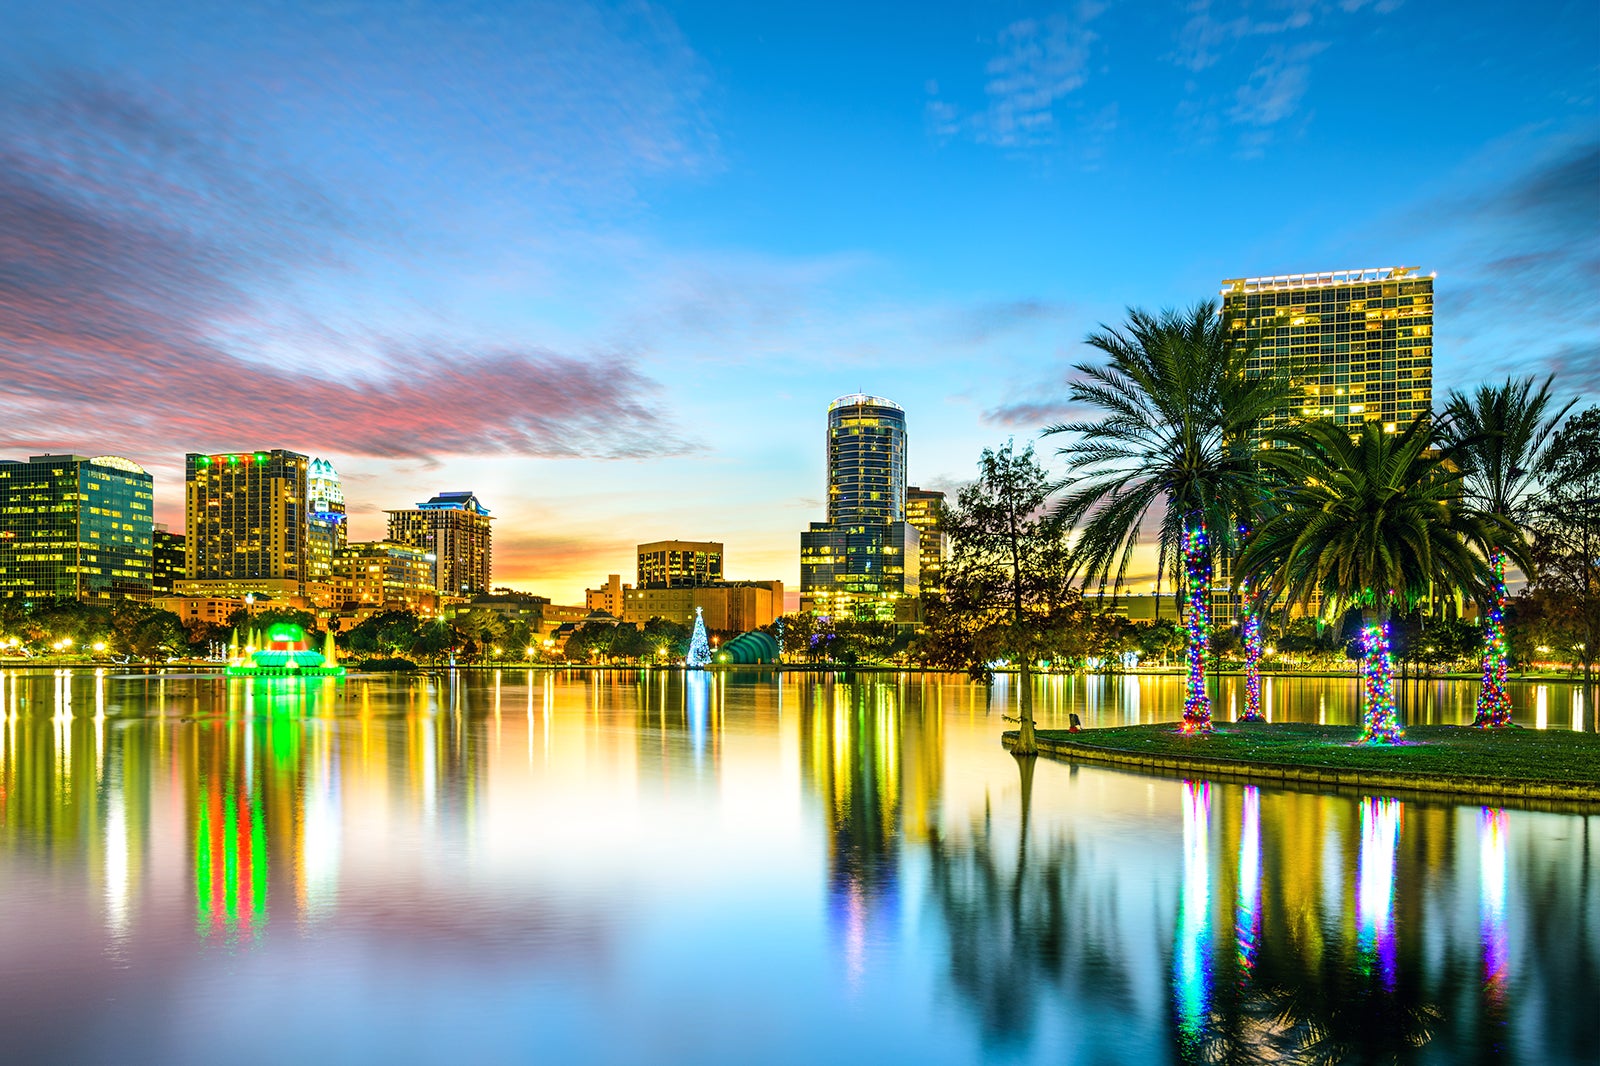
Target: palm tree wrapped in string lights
1375,520
1500,435
1178,408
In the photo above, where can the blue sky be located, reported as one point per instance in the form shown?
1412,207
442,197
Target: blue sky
606,265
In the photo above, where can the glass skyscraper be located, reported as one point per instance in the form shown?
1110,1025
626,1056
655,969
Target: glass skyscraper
1357,344
454,527
75,528
864,561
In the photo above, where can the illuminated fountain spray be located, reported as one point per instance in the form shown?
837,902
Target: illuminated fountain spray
285,651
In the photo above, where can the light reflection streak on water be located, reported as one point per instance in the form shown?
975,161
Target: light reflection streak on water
1541,707
1380,835
697,706
1577,711
1247,922
1194,917
1492,825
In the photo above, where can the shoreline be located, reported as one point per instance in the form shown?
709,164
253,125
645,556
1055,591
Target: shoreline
1322,776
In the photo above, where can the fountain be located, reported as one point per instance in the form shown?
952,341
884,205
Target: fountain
285,652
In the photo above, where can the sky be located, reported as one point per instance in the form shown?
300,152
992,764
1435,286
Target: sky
606,265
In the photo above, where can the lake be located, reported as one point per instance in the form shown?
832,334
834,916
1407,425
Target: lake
627,867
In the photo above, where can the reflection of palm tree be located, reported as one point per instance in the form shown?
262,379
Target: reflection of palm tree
1022,930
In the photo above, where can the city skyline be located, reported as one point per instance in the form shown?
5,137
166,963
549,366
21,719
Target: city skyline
606,268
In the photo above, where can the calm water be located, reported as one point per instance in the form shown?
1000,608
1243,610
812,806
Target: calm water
623,868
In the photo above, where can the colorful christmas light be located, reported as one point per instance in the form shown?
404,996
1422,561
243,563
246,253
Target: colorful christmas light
1250,629
1494,703
1382,725
1197,620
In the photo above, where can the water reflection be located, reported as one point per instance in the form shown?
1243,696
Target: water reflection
853,860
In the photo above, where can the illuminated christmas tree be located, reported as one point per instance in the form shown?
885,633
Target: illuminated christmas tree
699,647
1197,620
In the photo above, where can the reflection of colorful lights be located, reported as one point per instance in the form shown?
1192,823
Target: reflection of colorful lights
1247,920
697,706
230,854
1194,917
1380,834
1492,900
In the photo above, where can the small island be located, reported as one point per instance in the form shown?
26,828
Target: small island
1488,764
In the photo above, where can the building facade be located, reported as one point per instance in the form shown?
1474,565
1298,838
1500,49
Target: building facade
865,560
666,564
76,528
1357,345
380,575
454,527
166,560
326,533
925,513
610,597
728,606
246,527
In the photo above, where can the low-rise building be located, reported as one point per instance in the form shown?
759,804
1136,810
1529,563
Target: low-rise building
212,610
381,575
728,606
610,597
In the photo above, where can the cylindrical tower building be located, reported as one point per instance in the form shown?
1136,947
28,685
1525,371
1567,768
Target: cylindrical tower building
866,460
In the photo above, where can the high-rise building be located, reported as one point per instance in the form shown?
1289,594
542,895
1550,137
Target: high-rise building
325,524
1357,345
666,564
246,522
864,561
75,528
925,512
454,526
166,560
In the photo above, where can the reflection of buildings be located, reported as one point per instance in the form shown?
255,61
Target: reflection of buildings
876,767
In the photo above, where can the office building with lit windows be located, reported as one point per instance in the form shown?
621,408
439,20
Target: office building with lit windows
75,528
325,524
666,564
865,559
1357,345
246,525
925,512
166,560
371,576
454,528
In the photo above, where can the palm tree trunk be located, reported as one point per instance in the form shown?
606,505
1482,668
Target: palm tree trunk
1197,619
1380,723
1494,703
1250,623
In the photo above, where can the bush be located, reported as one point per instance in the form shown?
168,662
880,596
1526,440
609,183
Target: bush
391,664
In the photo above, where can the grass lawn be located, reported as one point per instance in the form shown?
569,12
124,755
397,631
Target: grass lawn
1512,754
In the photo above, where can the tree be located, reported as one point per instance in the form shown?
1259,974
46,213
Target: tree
1180,407
1566,533
1375,522
1007,567
1499,436
386,633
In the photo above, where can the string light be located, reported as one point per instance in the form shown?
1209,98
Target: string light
1382,725
1197,620
1494,703
1250,627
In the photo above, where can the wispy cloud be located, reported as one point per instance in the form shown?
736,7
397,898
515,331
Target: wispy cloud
1219,35
1038,63
136,240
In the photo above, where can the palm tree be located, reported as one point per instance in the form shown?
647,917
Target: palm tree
1373,520
1179,410
1500,436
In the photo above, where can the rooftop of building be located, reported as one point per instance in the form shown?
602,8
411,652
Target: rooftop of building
454,501
110,462
861,399
1325,279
